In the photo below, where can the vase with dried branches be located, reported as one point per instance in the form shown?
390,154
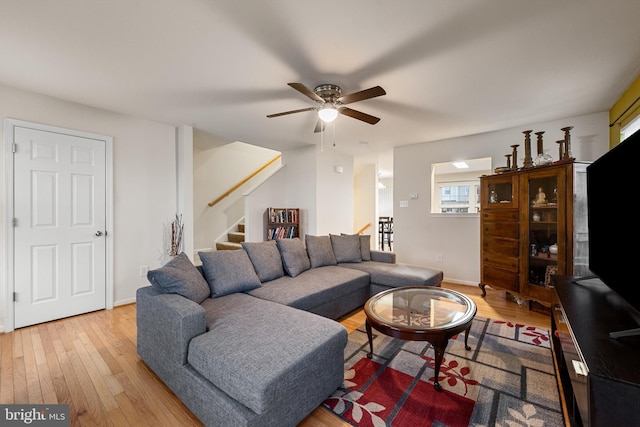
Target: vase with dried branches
175,231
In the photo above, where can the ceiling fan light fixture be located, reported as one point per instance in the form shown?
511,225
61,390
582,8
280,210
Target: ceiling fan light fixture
328,113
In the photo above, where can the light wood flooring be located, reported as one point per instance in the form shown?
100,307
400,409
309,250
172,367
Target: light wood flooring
90,363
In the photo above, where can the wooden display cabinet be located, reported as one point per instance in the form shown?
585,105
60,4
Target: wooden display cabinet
527,230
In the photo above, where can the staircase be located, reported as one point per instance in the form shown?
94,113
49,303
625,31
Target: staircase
234,238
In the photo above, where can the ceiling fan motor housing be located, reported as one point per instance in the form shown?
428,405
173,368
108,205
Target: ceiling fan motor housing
330,93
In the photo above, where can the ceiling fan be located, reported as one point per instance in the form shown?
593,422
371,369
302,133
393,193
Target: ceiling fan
332,102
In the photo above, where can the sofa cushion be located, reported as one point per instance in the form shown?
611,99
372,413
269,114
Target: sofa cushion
264,354
228,271
346,248
320,251
365,246
313,288
180,276
265,258
396,275
294,256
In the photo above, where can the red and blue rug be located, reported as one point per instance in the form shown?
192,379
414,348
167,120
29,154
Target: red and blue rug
506,379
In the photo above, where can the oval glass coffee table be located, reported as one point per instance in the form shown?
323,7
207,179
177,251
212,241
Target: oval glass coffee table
421,313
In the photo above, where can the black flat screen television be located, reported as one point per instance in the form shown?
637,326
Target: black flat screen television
612,181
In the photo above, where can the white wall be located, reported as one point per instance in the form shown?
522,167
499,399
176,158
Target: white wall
184,185
419,236
144,180
335,192
324,196
301,186
365,200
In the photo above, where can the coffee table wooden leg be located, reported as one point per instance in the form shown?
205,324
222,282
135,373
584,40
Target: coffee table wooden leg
439,348
370,335
466,338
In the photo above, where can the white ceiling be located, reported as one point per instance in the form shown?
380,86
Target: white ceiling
449,67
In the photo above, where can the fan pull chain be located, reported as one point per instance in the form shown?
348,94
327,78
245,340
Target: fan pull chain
321,140
334,133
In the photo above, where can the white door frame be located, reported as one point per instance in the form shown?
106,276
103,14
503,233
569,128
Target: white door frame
8,244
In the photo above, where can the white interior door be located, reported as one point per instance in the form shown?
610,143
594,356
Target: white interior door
60,225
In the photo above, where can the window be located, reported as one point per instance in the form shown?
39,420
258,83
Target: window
629,129
455,186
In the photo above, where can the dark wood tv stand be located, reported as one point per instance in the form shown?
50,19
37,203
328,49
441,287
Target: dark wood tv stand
598,376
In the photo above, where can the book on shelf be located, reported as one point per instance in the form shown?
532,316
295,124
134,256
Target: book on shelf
282,223
283,232
283,215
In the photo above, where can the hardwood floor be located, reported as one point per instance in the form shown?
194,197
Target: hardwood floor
90,363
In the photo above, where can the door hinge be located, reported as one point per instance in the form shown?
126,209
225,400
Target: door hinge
14,147
15,297
14,222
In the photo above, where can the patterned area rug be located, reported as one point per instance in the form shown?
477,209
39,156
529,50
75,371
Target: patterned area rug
506,379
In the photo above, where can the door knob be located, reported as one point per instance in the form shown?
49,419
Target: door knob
98,233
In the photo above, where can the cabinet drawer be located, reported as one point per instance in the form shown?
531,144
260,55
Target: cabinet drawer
500,278
501,246
510,215
500,229
497,260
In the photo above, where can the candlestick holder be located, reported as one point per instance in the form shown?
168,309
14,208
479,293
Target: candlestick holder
514,156
527,149
567,142
560,149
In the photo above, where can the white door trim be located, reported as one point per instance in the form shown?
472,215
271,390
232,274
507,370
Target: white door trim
8,244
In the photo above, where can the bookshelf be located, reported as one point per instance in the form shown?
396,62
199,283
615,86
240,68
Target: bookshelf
282,223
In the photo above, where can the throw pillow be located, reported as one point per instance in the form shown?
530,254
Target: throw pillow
365,246
228,272
265,258
346,248
320,250
180,276
294,256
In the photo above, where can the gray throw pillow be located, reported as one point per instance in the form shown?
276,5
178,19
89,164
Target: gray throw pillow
365,245
294,256
320,250
265,258
346,248
180,276
228,272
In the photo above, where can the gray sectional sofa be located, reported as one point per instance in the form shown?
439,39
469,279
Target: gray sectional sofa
250,338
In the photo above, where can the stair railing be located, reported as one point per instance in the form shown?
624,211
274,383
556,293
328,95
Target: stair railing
245,180
363,228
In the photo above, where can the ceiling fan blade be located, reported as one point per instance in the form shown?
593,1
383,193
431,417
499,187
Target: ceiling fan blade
291,112
362,95
372,120
320,126
306,91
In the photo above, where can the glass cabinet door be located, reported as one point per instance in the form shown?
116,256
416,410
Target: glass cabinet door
545,220
499,191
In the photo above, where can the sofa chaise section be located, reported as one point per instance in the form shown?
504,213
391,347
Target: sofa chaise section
227,365
384,275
